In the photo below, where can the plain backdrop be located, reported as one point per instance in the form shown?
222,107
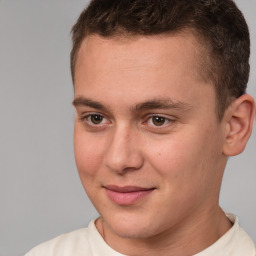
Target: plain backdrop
40,192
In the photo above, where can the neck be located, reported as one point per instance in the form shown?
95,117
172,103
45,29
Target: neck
194,236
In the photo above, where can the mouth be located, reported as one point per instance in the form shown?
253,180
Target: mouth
127,195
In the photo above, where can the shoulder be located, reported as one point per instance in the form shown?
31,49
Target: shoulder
235,242
66,244
85,241
242,243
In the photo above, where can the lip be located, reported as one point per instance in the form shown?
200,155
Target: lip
127,195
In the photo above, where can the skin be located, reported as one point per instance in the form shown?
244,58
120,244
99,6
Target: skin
181,157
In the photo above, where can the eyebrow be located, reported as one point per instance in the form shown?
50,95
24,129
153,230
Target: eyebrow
165,103
81,101
162,103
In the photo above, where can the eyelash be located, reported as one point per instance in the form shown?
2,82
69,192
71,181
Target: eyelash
162,118
88,116
167,121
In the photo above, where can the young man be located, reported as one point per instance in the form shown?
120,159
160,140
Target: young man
161,105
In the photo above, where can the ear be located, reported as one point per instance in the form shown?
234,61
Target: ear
239,118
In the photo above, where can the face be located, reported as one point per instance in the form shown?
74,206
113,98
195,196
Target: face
148,145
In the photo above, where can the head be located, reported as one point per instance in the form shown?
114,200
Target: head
158,88
219,27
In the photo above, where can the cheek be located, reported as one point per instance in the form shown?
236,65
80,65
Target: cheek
185,160
88,152
171,155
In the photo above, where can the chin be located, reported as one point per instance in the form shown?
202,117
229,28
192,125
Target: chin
132,227
132,232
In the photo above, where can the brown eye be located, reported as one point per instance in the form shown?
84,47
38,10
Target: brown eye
158,120
96,119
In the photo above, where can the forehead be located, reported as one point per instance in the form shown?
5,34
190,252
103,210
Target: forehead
118,71
136,52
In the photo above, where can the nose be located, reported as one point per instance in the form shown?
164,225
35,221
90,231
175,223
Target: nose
123,153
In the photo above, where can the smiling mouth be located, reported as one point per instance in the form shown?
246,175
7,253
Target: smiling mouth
127,195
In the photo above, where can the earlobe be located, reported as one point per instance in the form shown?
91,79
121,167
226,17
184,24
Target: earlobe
239,121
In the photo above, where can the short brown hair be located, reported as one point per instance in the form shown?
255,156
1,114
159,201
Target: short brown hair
219,24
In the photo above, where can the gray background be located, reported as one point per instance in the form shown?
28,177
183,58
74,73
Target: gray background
40,192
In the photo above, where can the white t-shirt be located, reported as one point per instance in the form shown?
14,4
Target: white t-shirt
88,242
